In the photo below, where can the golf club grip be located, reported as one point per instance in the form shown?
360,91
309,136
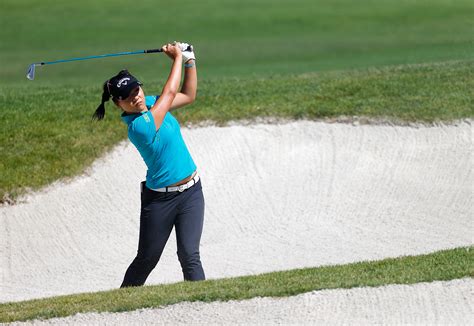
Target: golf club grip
189,49
153,51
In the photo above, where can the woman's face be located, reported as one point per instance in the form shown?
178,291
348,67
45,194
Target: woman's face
135,102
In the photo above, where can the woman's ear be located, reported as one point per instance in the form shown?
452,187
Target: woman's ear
118,106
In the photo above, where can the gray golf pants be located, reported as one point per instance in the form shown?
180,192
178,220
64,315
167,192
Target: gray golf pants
160,211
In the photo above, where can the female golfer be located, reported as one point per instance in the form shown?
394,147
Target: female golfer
172,193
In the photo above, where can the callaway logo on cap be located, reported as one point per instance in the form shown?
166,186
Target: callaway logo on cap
123,81
122,84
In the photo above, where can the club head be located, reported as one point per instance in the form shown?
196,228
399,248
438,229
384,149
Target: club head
31,72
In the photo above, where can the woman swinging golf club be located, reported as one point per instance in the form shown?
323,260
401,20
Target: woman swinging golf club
172,193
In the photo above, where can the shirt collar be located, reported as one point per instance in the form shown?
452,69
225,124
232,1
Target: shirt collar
128,118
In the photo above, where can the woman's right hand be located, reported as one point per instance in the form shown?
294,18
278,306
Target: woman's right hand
172,50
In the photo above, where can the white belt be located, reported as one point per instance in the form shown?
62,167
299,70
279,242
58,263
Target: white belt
180,188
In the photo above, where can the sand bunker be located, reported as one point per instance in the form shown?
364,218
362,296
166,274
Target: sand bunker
445,303
278,197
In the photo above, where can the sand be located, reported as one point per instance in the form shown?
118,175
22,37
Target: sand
278,197
442,303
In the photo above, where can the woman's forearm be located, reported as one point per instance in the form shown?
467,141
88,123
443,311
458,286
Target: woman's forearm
174,78
189,87
163,105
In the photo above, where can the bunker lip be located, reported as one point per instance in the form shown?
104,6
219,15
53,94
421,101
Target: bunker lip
441,302
302,194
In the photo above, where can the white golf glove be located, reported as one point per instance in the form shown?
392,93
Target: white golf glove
187,55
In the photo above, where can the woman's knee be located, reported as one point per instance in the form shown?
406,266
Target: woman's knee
147,262
189,258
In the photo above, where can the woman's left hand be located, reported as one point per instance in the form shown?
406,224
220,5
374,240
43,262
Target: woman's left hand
188,52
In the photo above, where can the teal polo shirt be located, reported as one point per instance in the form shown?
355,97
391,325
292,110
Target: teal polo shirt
163,150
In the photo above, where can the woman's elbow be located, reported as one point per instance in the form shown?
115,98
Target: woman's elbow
169,93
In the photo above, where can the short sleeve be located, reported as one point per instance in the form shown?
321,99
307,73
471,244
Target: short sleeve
142,130
150,100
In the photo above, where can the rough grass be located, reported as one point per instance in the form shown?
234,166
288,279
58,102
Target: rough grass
442,265
411,93
47,132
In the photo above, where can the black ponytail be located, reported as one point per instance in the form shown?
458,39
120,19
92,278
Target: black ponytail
100,111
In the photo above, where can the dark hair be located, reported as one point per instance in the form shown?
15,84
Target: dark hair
100,111
118,87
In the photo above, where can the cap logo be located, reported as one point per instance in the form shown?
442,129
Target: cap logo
123,81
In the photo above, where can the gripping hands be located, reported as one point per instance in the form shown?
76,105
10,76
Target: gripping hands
187,51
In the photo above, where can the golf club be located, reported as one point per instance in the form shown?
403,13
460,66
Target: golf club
31,69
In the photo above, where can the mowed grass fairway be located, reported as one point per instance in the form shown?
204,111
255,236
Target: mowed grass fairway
231,37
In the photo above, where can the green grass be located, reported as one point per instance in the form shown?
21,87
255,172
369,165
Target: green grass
232,37
264,58
442,265
424,93
255,58
47,133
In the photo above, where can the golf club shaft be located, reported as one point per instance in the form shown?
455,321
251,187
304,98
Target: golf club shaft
31,69
101,56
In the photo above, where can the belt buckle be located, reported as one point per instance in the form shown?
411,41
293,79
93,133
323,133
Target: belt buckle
182,187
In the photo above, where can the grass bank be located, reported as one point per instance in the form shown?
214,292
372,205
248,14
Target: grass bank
442,265
47,132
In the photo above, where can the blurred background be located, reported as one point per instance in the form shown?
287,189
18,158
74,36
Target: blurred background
231,38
